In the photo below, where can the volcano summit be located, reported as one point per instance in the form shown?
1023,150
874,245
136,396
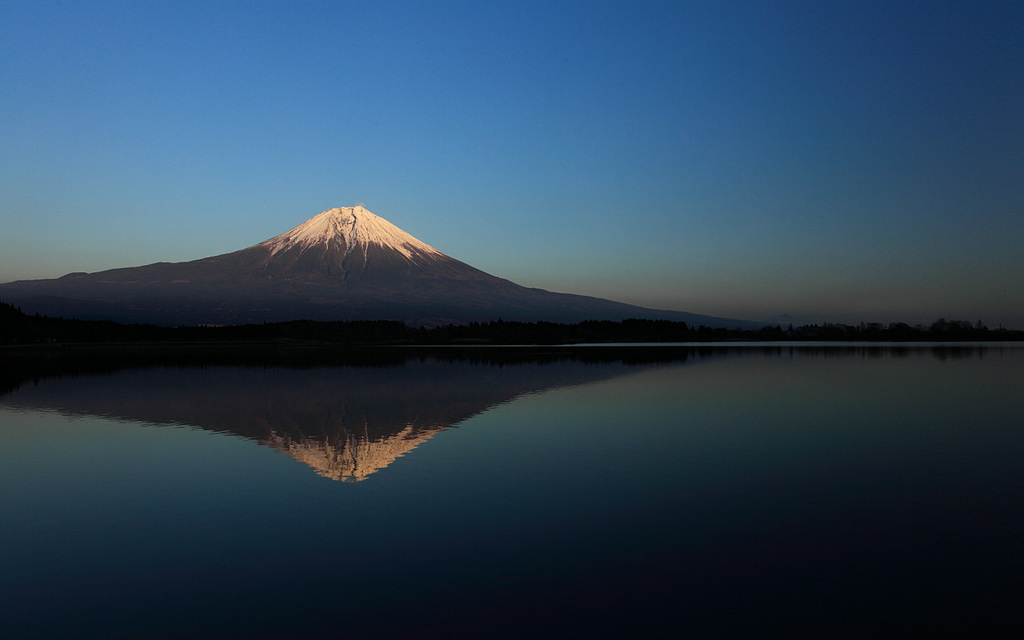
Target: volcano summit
342,264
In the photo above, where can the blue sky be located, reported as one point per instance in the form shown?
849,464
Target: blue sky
837,161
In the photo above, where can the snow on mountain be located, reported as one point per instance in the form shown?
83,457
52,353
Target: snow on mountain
352,227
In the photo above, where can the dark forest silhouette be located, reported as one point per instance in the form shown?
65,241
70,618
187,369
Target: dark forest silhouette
18,328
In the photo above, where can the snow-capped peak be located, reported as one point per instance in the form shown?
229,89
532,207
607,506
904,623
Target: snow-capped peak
352,227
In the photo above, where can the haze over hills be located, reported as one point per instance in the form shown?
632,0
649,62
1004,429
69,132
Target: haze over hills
342,264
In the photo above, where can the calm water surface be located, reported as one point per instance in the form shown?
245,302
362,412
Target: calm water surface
688,492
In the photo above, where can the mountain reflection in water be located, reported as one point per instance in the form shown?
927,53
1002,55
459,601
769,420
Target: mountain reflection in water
346,416
695,491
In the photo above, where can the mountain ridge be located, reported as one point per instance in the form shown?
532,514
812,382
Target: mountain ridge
344,263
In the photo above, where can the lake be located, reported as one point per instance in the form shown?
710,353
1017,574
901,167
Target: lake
688,491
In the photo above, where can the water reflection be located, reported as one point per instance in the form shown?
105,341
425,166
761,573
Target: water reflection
346,415
762,491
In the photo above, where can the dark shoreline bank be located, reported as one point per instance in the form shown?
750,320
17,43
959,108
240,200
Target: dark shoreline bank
19,329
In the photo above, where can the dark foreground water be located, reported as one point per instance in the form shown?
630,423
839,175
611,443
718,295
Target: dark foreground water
858,492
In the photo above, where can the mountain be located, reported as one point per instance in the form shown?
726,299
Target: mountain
342,264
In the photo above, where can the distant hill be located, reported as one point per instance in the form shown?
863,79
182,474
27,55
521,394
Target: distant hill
342,264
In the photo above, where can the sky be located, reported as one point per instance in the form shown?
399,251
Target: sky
805,161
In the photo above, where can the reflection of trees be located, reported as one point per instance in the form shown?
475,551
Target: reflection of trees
345,413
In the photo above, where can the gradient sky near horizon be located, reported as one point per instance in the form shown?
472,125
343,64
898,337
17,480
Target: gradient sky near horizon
833,161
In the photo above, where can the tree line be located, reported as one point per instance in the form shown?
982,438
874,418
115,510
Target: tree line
18,328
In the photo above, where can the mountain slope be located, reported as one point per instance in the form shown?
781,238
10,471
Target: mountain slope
342,264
